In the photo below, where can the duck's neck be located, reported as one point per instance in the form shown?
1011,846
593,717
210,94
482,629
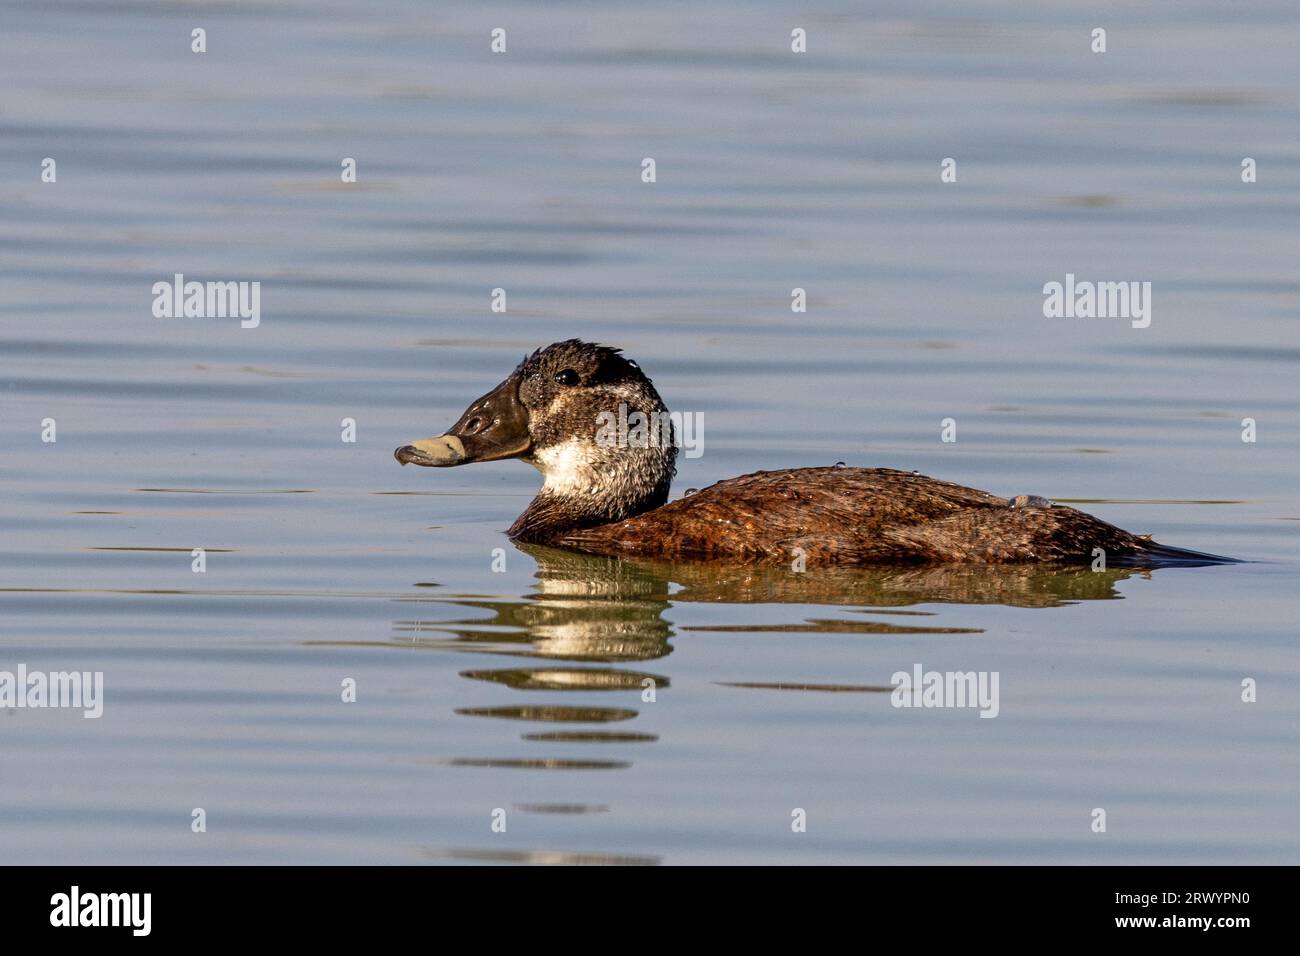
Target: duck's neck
588,485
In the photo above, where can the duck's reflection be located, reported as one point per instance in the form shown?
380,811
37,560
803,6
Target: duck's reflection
583,609
597,609
892,586
593,611
589,621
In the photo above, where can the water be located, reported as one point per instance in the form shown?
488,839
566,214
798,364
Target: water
523,691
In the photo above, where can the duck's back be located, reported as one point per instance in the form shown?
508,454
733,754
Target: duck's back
854,516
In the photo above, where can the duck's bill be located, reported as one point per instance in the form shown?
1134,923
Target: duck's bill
441,451
492,428
444,451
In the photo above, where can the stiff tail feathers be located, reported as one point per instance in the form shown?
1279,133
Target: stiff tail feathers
1165,556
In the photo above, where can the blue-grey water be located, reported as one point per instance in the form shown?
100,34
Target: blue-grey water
518,695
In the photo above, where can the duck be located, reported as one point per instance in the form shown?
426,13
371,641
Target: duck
606,491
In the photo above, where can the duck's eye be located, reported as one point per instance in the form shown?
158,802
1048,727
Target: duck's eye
567,377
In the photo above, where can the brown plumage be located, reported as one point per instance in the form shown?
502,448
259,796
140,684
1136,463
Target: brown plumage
610,500
853,516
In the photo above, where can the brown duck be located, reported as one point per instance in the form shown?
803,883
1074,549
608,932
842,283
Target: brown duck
606,492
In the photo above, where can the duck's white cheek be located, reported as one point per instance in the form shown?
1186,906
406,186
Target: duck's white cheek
567,467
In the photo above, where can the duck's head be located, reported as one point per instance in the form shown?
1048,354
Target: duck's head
566,410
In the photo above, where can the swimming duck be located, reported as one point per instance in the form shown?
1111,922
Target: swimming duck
610,497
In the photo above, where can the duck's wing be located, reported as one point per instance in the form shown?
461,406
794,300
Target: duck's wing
833,515
1012,534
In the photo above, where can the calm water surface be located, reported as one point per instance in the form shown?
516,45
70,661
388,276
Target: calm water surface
522,690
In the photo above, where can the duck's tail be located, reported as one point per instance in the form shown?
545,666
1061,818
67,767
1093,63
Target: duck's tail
1153,554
